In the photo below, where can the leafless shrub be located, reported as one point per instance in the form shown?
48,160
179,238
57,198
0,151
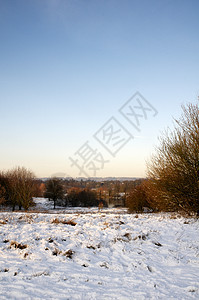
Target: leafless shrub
174,168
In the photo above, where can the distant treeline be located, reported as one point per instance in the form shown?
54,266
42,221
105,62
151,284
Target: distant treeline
19,186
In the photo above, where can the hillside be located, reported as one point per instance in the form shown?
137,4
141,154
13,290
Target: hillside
98,255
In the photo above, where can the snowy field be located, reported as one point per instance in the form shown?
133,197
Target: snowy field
98,255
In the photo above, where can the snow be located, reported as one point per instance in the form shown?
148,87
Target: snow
44,205
101,255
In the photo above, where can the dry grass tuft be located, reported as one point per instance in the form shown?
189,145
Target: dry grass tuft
91,247
67,222
69,253
56,252
3,222
125,238
70,222
56,221
142,237
5,241
26,218
17,245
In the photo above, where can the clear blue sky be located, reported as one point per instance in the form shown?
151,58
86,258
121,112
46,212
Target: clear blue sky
67,66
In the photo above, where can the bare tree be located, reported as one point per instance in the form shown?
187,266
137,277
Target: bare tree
174,168
54,190
2,194
17,187
4,184
21,187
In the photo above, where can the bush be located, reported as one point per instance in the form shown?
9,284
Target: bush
146,195
137,199
18,185
174,168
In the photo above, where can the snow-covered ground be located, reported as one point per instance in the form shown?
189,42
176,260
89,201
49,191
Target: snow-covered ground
98,255
44,205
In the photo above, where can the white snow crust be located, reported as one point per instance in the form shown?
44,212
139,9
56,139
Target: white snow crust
98,255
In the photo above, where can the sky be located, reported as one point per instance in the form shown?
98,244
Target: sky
67,67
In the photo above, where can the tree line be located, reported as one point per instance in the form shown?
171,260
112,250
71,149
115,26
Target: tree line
19,186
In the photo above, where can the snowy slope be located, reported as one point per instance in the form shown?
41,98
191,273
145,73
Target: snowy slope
100,256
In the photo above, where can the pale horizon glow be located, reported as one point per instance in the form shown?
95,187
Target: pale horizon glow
67,67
